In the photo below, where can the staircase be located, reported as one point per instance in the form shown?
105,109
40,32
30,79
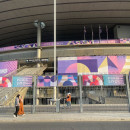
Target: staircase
7,95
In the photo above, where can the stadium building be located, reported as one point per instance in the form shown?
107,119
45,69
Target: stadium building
92,40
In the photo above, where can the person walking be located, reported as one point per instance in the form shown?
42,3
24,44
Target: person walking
21,109
68,100
16,105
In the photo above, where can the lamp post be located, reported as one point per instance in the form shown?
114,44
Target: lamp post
55,46
40,26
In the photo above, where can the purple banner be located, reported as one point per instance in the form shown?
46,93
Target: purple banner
124,40
46,81
7,67
93,64
63,43
67,80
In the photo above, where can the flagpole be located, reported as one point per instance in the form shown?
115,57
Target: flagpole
92,32
84,33
84,36
99,34
107,33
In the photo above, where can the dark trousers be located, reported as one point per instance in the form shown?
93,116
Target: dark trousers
17,109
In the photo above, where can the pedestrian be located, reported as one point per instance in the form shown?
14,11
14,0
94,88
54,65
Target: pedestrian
68,100
21,109
16,105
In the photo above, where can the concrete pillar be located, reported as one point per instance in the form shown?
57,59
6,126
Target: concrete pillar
80,91
128,90
37,100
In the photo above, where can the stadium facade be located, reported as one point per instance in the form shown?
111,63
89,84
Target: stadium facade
92,39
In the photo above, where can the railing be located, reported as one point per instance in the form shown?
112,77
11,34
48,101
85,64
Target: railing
65,43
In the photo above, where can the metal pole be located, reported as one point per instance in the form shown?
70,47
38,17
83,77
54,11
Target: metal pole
55,46
128,90
38,42
34,93
107,33
84,36
80,86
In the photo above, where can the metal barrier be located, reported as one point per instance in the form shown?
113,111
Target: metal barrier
83,98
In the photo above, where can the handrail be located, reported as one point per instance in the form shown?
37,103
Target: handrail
15,71
61,43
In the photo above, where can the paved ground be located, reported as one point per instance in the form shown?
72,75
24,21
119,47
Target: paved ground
66,125
63,117
74,109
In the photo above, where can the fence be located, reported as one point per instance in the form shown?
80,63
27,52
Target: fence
83,98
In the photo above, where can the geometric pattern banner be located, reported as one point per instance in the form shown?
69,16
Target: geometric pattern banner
113,80
92,80
93,65
67,80
7,67
46,81
5,82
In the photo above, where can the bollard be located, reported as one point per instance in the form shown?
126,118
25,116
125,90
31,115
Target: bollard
57,105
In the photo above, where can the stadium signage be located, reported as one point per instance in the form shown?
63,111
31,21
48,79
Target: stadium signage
113,80
22,81
36,60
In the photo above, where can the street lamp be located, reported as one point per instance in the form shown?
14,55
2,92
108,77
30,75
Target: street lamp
55,46
39,25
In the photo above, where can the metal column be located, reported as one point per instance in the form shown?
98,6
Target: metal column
34,93
54,46
128,90
80,86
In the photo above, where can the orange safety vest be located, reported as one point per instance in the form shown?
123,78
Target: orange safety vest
68,98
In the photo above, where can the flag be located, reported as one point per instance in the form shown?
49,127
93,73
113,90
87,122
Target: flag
92,31
84,33
106,29
100,30
107,32
84,29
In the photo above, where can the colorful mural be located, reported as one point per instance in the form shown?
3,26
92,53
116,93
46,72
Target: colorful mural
94,65
92,80
5,82
67,80
46,81
7,67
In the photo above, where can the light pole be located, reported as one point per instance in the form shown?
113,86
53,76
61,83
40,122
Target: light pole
55,46
40,25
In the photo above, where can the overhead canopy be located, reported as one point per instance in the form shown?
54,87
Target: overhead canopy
17,17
